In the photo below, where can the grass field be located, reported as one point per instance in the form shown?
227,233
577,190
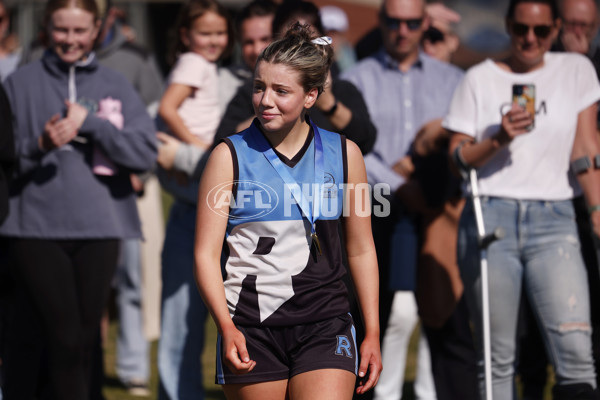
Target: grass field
113,390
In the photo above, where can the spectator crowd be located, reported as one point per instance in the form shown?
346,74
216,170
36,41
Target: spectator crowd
92,134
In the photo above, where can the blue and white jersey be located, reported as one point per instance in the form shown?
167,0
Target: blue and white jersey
275,276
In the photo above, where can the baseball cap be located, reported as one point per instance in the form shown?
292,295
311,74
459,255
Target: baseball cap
334,19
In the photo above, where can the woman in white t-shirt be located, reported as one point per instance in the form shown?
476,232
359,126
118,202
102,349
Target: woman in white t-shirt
523,163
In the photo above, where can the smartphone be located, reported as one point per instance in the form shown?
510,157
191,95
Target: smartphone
524,96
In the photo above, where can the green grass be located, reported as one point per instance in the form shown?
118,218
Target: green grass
113,390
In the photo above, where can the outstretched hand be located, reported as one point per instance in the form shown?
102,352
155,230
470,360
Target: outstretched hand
370,364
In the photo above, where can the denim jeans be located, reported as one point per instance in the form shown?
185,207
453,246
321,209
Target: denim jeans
541,254
132,347
183,312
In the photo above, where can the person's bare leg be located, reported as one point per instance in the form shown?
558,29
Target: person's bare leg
276,390
325,384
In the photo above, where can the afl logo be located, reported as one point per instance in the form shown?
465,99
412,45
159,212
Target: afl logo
253,200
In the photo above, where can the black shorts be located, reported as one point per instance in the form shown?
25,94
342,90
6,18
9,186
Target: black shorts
281,353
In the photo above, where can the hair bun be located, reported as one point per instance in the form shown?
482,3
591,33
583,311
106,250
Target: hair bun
302,50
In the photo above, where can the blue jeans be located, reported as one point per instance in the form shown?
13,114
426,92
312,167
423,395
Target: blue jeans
132,347
540,254
183,312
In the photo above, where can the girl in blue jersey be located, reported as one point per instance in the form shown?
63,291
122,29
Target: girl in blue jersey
282,311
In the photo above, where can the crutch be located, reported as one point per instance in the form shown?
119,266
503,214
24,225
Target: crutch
484,241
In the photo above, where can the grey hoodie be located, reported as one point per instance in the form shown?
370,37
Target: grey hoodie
55,194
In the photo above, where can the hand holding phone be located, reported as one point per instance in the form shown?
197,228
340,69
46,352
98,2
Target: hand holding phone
524,96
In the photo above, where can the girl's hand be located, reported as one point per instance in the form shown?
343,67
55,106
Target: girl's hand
326,99
514,123
404,167
370,361
235,353
76,113
167,150
200,143
57,133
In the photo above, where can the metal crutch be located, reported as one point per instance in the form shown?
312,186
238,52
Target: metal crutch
484,241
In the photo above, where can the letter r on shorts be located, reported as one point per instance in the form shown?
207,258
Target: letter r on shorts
343,346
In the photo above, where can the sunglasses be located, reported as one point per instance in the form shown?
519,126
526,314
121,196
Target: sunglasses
541,31
394,23
434,35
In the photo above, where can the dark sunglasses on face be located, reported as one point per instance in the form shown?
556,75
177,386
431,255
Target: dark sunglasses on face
541,31
433,35
394,23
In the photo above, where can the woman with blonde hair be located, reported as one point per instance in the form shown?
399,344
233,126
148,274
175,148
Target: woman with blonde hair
80,131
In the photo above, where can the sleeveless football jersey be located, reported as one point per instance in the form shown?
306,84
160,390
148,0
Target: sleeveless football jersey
275,274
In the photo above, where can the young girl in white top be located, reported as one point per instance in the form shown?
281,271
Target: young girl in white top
190,105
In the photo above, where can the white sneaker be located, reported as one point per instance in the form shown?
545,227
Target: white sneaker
137,387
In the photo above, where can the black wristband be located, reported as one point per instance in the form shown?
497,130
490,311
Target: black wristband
332,110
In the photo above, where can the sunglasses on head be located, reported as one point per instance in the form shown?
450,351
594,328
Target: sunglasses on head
394,23
541,31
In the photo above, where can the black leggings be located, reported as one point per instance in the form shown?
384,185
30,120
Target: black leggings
63,286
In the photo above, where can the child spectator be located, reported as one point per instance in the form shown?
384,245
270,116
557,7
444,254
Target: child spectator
190,105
